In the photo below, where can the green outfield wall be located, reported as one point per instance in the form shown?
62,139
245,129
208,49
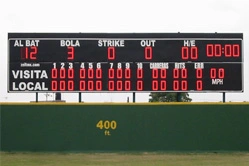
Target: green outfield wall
125,127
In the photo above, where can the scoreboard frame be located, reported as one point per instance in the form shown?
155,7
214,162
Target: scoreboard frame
128,36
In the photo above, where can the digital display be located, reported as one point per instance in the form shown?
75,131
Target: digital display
112,62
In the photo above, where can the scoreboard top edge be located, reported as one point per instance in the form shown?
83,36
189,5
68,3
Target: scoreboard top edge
125,35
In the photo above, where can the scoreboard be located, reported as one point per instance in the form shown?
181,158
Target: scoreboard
125,62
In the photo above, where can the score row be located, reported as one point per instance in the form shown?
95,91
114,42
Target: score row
161,50
126,73
187,53
123,70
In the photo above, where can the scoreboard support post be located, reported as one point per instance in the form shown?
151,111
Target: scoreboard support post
134,97
36,97
178,96
223,97
79,97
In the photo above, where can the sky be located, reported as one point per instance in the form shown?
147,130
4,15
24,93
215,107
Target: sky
111,16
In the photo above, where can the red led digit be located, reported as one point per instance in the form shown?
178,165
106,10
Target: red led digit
228,50
70,85
111,53
163,85
119,73
98,85
90,85
127,73
33,52
82,85
70,73
82,73
154,73
54,73
54,86
90,73
154,85
119,85
111,73
98,73
176,73
198,73
175,85
184,73
184,85
199,85
194,53
70,53
23,52
163,73
148,52
184,53
139,73
62,85
210,50
217,50
139,85
62,73
236,50
212,73
221,73
111,85
127,85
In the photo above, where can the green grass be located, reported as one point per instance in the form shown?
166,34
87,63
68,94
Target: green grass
124,159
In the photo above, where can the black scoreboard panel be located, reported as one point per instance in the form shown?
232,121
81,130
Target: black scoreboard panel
102,62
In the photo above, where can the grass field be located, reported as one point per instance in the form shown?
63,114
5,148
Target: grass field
124,159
